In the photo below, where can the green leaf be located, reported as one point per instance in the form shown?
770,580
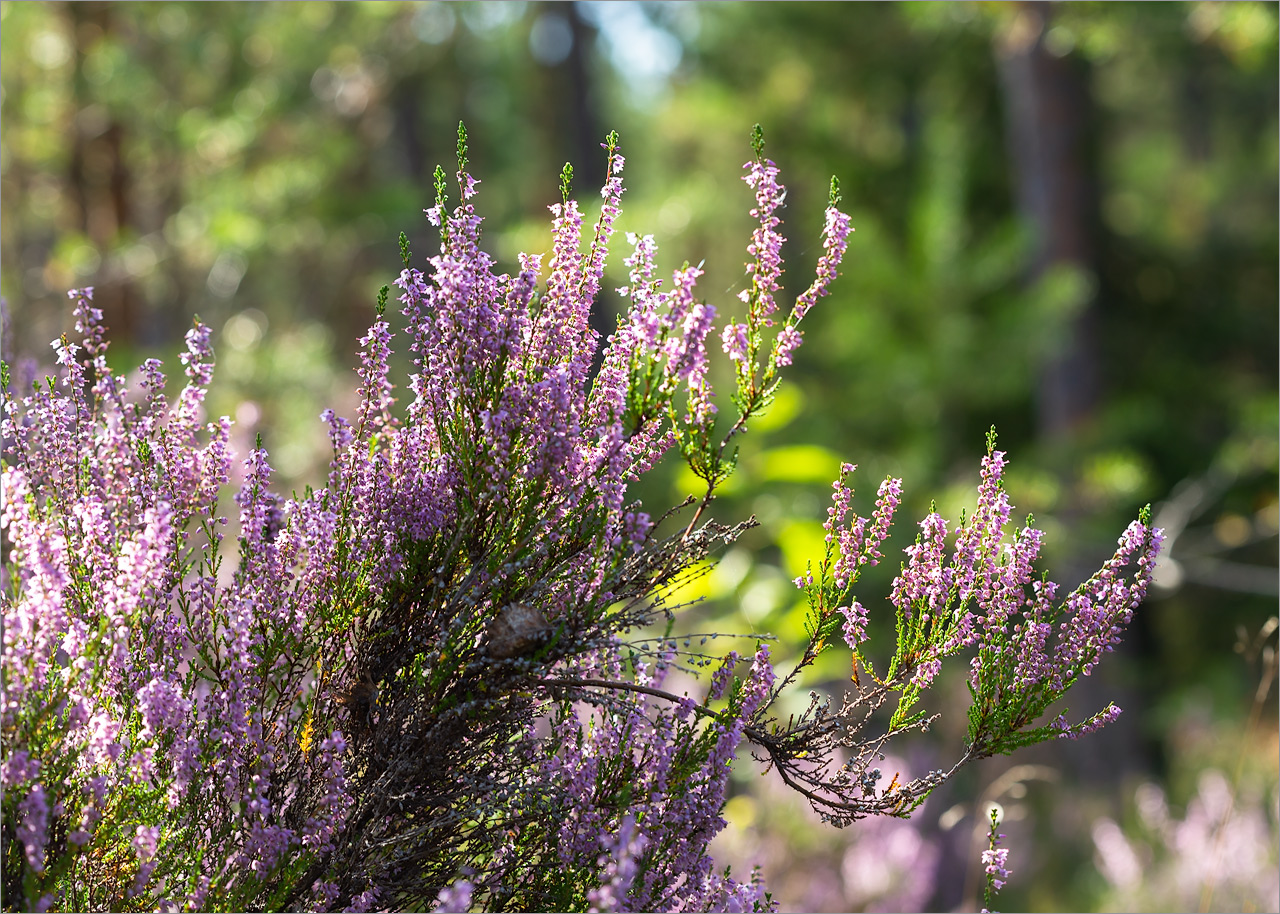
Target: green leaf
800,463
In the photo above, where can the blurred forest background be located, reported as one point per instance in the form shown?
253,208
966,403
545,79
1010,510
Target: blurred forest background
1066,226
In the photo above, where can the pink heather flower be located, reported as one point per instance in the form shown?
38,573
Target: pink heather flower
637,524
857,539
610,209
103,746
841,500
691,321
855,624
926,671
701,408
339,429
641,264
505,421
562,325
847,539
88,321
850,541
835,240
1099,610
789,340
66,353
925,581
198,359
319,830
888,498
978,542
766,241
734,342
995,863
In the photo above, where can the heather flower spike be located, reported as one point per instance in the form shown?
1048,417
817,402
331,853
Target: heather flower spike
995,861
974,592
472,612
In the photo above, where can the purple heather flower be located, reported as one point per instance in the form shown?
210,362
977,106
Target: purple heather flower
1100,608
323,894
755,692
112,515
454,898
978,542
33,826
842,499
620,858
925,581
88,320
365,901
375,390
610,209
846,537
995,864
146,841
723,676
162,706
1096,722
701,408
691,321
18,768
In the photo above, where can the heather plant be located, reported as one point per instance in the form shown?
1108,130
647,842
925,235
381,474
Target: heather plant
441,679
1221,854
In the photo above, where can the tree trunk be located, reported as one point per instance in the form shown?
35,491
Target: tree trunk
1048,118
